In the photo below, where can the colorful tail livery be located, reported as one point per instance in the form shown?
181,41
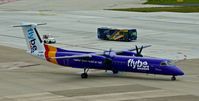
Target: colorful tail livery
115,61
33,40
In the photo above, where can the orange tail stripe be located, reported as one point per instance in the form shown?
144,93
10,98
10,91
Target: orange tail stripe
50,52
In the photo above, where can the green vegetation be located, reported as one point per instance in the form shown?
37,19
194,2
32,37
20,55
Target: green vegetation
185,6
184,9
172,2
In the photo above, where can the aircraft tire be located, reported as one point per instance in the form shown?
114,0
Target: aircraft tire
115,71
84,75
173,78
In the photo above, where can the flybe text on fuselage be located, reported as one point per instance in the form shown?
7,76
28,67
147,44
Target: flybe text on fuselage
138,64
31,38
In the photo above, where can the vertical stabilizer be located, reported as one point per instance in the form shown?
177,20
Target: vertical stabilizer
33,40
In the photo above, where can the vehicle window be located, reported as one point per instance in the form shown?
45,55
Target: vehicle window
171,63
123,33
167,63
163,64
133,33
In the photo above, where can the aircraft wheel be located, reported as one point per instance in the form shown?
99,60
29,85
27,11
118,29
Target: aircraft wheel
173,78
115,71
84,75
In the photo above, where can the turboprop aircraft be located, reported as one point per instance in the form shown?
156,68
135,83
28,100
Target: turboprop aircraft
116,61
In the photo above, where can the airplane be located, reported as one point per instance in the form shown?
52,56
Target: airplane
115,61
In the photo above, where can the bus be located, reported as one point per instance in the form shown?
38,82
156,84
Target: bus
128,35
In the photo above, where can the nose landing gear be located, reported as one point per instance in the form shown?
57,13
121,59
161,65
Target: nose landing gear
173,78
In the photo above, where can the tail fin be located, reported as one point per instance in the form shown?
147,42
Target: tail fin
33,40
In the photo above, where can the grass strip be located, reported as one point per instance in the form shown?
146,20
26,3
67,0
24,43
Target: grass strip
175,2
182,9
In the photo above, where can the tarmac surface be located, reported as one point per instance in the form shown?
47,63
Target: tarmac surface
26,78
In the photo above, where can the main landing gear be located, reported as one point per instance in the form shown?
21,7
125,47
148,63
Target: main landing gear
115,71
173,78
85,75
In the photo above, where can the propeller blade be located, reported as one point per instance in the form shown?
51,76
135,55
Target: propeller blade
141,50
136,48
110,50
133,49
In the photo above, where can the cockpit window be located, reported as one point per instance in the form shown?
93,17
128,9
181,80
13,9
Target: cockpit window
167,63
163,64
171,63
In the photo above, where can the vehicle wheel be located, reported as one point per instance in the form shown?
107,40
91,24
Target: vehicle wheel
173,78
84,75
115,71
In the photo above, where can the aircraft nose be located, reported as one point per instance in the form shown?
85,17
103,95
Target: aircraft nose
178,71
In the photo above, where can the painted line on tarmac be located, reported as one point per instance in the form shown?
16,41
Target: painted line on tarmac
6,1
12,36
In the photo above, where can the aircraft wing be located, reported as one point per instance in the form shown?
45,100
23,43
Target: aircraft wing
133,49
121,51
90,55
73,56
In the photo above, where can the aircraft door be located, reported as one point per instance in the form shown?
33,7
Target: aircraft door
108,63
66,62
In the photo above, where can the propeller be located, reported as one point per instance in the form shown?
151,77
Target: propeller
108,59
139,51
108,53
110,50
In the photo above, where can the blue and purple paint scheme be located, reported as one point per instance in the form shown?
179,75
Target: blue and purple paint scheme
116,61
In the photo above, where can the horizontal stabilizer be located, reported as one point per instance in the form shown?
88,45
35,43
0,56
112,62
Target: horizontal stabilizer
29,24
